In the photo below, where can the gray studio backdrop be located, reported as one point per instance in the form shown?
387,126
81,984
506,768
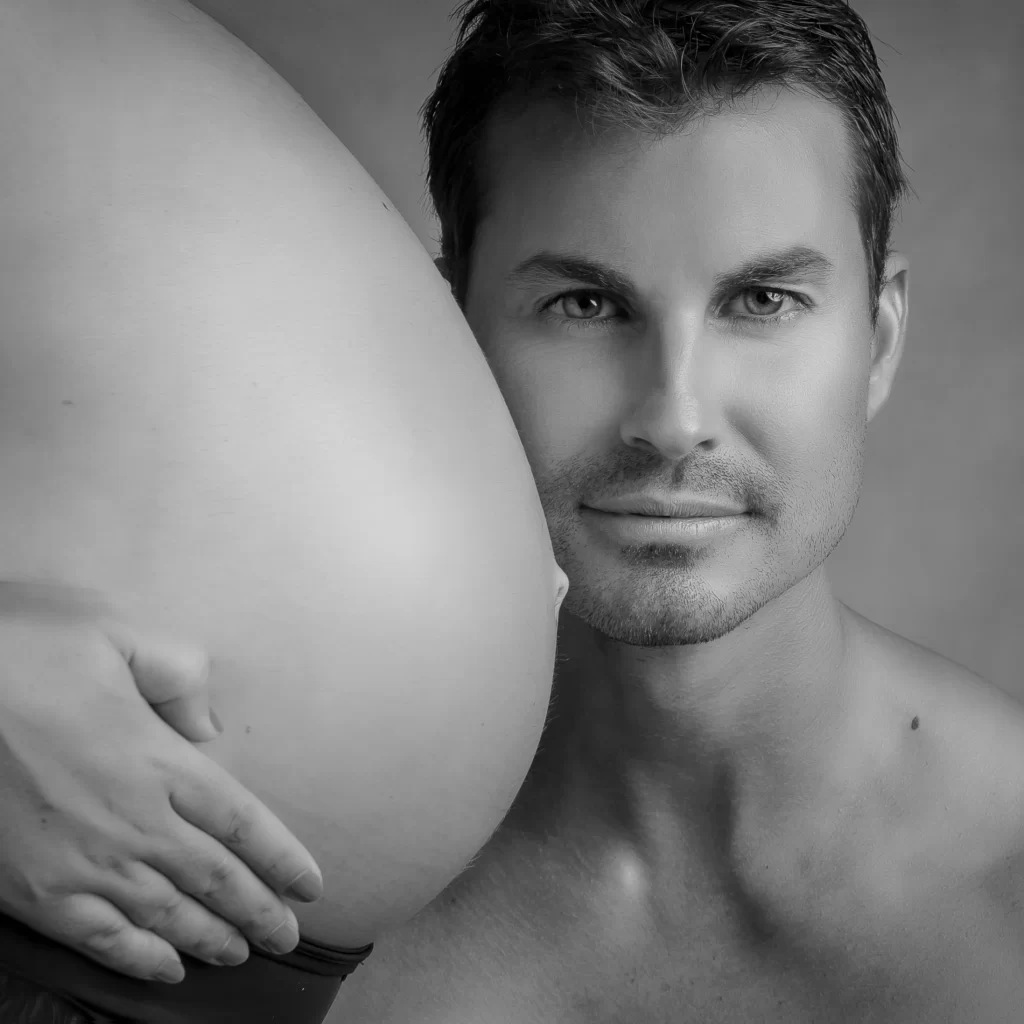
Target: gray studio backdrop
935,550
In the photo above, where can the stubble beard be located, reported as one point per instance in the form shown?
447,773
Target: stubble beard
651,596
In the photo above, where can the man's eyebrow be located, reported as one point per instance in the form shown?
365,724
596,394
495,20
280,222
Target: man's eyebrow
795,264
546,265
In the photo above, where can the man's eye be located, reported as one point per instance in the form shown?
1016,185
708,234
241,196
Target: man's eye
763,303
584,305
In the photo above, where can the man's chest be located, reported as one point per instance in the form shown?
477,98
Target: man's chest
571,953
910,915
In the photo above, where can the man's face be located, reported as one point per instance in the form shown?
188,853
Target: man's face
664,379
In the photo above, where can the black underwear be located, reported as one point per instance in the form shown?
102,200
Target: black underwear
297,988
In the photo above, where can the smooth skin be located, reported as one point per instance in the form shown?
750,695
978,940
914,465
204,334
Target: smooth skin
76,827
120,838
750,803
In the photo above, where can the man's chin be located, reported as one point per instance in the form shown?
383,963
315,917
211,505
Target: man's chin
654,599
641,625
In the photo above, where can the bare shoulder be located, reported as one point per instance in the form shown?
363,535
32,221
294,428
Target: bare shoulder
961,749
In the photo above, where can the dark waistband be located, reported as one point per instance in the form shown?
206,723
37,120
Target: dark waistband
297,988
315,958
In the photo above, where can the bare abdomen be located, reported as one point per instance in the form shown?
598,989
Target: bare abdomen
237,398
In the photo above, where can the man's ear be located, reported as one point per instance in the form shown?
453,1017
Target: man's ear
890,334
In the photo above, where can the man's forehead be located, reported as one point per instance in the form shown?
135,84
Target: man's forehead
520,134
767,176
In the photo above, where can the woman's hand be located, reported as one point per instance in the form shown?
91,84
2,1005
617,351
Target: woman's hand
118,838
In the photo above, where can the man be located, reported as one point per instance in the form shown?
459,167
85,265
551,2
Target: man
668,225
750,803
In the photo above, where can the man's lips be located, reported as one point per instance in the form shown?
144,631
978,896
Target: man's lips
665,507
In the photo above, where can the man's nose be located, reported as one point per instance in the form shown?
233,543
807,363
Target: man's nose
675,405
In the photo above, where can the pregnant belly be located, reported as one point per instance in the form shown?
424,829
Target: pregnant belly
383,692
238,399
384,700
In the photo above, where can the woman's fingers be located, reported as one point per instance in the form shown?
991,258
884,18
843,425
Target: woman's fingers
216,803
172,677
95,782
218,880
94,927
152,902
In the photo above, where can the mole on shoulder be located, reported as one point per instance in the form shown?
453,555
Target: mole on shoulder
914,722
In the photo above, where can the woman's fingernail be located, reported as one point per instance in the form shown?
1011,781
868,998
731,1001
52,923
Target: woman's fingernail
283,939
170,971
235,952
307,887
216,722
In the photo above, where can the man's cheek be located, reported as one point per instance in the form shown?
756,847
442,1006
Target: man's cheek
818,406
555,424
802,449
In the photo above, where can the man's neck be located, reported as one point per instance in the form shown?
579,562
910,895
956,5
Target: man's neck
756,715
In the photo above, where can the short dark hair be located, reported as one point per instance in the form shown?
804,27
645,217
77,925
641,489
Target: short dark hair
652,66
